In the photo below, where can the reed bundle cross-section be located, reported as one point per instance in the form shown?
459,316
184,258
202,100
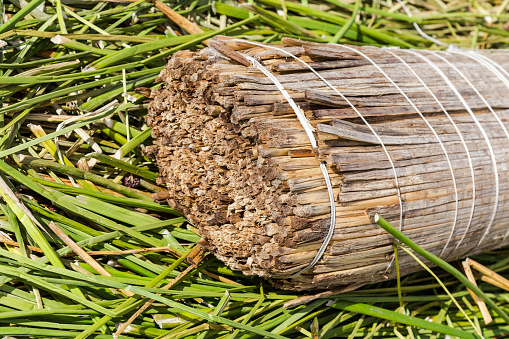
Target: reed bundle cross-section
417,136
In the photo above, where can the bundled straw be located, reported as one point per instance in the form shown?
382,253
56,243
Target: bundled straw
416,136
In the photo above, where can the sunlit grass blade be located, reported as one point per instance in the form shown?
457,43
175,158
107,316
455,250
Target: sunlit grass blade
401,318
442,264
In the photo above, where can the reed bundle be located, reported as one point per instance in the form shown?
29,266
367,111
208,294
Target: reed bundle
420,133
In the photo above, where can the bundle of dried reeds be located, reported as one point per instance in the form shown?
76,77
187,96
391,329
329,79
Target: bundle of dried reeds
417,136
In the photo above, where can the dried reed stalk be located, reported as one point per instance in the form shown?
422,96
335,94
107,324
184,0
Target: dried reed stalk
239,165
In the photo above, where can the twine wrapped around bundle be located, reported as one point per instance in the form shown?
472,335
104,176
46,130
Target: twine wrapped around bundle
248,135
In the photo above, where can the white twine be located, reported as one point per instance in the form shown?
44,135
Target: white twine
438,139
491,62
420,114
430,63
483,60
488,63
454,49
307,127
300,115
483,132
330,233
418,29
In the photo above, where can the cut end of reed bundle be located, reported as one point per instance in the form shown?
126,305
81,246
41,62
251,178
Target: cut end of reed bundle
416,136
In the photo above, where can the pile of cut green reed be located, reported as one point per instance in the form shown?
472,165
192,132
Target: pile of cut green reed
78,262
